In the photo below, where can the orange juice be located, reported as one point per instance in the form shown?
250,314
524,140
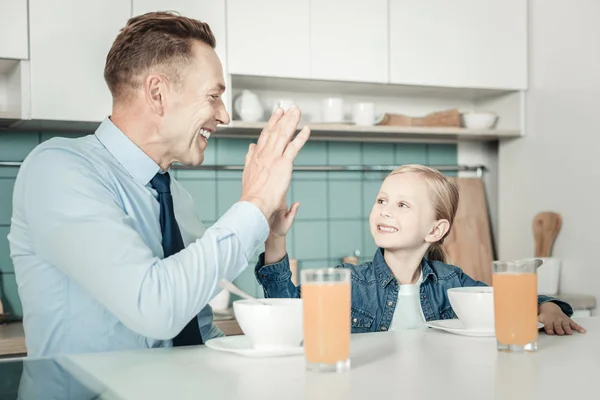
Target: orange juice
326,307
515,308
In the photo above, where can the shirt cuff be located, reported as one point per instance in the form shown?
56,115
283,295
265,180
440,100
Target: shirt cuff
278,272
248,223
564,306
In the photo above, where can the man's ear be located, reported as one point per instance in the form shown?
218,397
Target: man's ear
156,90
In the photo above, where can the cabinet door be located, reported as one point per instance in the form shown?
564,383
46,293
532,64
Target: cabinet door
69,41
349,40
209,11
269,37
13,29
460,43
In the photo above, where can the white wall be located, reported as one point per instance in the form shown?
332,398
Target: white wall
555,167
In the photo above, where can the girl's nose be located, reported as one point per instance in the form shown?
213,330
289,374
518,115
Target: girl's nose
385,212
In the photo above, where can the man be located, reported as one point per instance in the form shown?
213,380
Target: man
107,249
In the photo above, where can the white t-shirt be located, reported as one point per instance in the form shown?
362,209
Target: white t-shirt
408,313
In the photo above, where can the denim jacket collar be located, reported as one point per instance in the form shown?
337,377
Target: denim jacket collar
384,273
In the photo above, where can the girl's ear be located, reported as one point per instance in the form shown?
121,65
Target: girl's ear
438,231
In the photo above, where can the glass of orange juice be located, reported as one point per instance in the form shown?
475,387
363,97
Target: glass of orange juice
515,305
326,308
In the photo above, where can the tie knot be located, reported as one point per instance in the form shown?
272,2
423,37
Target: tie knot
161,182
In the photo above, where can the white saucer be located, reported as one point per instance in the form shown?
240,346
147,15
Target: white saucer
241,345
456,326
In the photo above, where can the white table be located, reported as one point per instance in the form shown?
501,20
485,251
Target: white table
434,365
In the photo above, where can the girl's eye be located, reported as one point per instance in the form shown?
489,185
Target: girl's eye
403,205
380,201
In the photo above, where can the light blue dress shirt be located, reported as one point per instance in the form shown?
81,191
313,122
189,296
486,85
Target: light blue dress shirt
85,241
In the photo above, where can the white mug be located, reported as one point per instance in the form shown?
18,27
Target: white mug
285,104
548,276
364,114
332,110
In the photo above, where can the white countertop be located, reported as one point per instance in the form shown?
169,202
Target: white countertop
385,365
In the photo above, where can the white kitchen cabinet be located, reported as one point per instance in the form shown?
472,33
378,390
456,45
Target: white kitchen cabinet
269,37
69,41
460,43
209,11
349,40
13,29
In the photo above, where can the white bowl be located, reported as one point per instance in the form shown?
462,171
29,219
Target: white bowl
474,306
479,120
277,325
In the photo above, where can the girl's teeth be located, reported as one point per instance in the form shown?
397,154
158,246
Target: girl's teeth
386,229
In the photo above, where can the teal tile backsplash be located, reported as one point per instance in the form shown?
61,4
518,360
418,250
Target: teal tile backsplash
6,190
344,238
345,154
205,190
312,196
332,221
411,153
311,240
345,199
10,296
377,154
5,261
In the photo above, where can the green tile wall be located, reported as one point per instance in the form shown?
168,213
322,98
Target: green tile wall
332,220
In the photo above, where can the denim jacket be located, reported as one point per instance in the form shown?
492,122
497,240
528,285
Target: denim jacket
375,290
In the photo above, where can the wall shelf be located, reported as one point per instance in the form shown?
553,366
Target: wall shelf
319,132
378,133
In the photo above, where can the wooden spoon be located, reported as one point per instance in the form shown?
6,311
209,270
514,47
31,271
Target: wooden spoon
546,226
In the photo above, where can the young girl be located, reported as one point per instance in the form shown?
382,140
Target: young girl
410,219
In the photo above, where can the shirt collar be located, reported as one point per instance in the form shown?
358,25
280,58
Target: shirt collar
137,163
428,272
384,273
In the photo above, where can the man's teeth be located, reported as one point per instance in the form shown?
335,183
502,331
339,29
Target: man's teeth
387,229
205,133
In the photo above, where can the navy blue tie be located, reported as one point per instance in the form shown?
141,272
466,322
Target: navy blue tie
172,242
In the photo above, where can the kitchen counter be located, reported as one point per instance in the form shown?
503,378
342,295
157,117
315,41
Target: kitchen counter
12,337
430,365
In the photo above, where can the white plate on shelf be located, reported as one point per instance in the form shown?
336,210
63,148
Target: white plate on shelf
457,327
241,345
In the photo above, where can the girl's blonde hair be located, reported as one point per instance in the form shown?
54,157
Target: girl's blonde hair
445,201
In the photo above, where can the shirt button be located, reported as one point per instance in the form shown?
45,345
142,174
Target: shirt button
355,320
383,328
390,303
424,297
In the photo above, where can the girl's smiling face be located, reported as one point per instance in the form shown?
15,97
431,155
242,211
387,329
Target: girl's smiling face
403,214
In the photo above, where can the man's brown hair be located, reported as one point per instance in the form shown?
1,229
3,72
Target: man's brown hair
155,39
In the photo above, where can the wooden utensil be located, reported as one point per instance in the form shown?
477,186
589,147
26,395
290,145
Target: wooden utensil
445,118
546,226
469,243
